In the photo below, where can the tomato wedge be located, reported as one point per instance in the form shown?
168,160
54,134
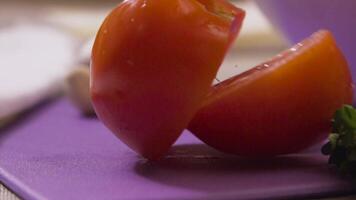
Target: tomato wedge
281,106
153,63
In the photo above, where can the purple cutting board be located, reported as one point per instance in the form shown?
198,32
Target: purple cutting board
53,153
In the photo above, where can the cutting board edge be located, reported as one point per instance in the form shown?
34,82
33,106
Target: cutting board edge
18,187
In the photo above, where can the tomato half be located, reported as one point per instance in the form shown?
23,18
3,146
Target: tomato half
281,106
153,63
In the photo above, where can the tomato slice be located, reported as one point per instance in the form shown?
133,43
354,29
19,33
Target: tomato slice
153,63
281,106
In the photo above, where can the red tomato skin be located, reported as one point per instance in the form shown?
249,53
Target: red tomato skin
279,107
153,62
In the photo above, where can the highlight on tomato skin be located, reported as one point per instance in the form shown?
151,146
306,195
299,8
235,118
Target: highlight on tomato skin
153,63
282,106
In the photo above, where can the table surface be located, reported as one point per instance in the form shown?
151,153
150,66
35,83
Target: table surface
255,44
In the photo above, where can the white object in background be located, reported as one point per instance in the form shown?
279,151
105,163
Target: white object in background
256,31
34,61
85,52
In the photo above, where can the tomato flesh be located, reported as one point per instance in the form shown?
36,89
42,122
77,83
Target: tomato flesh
153,63
281,106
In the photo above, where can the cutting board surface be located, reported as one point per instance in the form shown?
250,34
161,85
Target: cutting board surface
54,153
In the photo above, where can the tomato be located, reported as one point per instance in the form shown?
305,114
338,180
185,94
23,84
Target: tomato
153,63
281,106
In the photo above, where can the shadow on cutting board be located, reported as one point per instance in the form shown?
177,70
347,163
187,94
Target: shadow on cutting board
200,167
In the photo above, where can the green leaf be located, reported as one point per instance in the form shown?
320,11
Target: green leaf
347,116
352,155
333,138
341,147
